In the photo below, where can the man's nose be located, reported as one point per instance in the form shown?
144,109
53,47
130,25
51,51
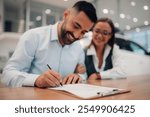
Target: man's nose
78,34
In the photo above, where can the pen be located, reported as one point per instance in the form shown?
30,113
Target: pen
115,90
50,69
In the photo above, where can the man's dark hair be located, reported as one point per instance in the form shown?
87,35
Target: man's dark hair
87,8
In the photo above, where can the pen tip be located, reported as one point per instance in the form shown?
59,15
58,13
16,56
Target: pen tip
61,84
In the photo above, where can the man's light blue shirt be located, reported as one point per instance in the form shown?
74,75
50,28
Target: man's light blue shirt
37,48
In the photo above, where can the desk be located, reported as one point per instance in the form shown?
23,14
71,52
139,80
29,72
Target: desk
139,86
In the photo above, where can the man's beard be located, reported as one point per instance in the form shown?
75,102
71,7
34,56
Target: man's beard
67,36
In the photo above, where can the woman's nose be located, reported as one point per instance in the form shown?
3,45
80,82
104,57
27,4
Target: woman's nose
100,36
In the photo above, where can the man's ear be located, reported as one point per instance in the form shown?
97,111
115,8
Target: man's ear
66,14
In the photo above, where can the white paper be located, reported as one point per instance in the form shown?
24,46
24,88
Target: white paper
86,90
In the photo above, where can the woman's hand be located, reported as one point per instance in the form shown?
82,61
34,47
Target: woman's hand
94,76
80,69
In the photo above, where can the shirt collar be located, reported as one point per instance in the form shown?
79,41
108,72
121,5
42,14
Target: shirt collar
91,51
53,32
107,51
54,35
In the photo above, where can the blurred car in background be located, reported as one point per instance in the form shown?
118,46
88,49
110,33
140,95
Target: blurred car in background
136,57
129,45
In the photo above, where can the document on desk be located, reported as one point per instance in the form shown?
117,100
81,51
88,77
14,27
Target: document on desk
87,91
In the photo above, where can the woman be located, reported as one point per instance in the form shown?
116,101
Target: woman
103,59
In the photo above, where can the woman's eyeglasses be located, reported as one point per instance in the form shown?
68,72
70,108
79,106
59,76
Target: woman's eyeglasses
102,32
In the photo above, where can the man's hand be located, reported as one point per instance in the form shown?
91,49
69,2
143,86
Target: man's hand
80,69
72,79
49,78
94,76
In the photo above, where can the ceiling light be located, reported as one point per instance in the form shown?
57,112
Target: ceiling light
133,3
116,25
105,11
137,29
135,19
47,11
38,18
128,27
146,7
65,0
146,23
122,15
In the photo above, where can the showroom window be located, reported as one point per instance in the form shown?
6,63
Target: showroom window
142,37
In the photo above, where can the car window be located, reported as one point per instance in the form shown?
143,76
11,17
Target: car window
129,45
137,49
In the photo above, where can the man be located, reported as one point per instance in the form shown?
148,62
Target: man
52,45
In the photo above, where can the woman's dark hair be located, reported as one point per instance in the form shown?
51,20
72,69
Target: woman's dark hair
87,8
109,21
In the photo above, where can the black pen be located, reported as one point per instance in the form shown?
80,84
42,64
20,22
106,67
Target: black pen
50,69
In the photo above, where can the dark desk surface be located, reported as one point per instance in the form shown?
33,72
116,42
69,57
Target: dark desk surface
139,86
